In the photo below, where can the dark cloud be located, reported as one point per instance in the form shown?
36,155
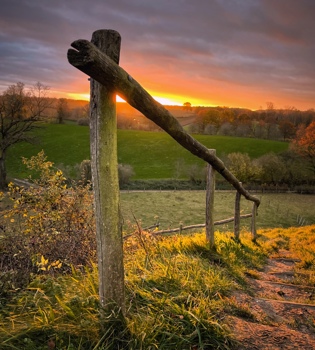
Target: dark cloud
199,48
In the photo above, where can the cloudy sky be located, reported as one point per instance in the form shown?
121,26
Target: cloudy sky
237,53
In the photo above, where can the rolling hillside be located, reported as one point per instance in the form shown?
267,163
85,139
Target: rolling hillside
153,155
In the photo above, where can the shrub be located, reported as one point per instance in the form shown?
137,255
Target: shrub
196,173
125,172
273,169
242,167
49,225
83,122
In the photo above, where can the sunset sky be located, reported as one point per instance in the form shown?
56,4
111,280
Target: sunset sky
235,53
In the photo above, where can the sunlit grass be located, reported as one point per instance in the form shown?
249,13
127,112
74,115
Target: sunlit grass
176,290
178,294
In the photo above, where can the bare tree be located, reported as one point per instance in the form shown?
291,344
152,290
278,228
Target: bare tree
62,110
20,109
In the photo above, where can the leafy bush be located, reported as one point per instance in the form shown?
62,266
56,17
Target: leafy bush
49,226
242,167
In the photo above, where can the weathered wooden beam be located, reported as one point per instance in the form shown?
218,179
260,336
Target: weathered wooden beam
190,227
103,146
89,59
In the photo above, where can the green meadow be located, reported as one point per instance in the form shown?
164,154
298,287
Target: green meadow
172,208
152,155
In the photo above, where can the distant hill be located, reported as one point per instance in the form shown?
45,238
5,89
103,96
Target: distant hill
127,116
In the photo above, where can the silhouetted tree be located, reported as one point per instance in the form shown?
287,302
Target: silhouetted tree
62,110
287,129
20,109
187,106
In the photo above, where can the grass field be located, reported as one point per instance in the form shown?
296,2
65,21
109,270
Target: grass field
188,207
151,154
179,295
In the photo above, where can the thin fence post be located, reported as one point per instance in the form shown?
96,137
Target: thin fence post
104,164
253,223
210,189
237,215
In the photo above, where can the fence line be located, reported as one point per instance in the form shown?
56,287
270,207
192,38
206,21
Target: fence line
210,223
190,227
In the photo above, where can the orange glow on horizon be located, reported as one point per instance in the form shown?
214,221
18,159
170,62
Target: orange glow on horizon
79,96
169,100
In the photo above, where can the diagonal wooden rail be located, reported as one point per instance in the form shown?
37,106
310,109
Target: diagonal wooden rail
89,59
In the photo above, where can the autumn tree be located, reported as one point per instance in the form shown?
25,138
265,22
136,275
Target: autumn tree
304,143
287,129
20,109
272,169
209,118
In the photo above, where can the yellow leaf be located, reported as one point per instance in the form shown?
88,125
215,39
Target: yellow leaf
43,261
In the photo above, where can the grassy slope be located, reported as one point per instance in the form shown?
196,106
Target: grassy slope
147,151
152,154
178,294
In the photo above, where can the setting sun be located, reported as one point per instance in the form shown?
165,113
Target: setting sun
82,96
170,100
163,100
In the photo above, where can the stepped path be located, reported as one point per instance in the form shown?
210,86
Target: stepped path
281,308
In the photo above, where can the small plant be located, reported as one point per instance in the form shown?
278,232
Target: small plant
44,265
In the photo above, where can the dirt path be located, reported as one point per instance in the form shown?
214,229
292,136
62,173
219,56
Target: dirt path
282,311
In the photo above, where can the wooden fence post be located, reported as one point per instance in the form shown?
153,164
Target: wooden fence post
237,215
253,223
210,202
103,146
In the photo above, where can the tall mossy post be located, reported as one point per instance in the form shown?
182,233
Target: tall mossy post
104,164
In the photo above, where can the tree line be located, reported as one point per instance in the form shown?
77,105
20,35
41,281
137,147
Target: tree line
269,123
21,109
